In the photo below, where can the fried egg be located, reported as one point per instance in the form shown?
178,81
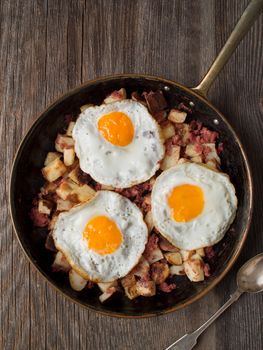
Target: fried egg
102,239
118,144
193,206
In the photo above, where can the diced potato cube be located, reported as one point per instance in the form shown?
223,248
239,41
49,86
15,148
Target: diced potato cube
128,281
106,285
165,245
149,220
116,96
152,180
70,128
185,133
106,295
197,159
77,193
168,131
212,155
107,188
171,159
54,170
174,258
194,268
52,222
212,164
177,116
69,156
131,292
182,161
191,151
62,142
84,107
76,281
200,252
44,206
51,156
159,272
154,256
73,175
60,263
177,270
186,254
142,268
146,288
64,205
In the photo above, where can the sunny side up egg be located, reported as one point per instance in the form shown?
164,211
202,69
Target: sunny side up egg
118,144
102,239
193,206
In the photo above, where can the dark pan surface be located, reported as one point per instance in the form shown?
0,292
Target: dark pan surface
26,181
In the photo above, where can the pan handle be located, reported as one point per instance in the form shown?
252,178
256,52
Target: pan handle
242,27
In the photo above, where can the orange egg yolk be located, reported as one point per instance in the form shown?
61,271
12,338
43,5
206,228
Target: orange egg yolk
103,235
186,202
117,128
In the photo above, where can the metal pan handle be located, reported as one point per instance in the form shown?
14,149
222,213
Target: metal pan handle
242,27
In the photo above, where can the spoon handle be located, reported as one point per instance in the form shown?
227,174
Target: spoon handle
188,341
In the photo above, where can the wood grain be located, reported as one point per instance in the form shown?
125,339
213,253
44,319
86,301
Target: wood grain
48,47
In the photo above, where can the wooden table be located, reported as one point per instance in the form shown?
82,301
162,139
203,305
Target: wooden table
49,47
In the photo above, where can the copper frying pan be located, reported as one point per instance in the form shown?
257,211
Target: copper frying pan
26,178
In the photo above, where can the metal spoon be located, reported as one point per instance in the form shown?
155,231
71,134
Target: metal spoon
249,279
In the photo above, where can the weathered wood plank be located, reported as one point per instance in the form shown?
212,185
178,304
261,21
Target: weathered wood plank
48,47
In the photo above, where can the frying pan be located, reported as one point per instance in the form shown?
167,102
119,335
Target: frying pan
26,179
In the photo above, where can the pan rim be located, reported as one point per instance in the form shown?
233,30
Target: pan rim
75,90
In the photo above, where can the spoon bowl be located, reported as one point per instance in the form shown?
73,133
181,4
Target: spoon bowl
250,275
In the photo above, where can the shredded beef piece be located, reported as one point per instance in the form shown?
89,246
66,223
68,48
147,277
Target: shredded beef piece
209,252
135,96
208,136
90,285
39,219
155,101
152,244
177,140
84,178
183,107
207,269
168,146
166,245
167,288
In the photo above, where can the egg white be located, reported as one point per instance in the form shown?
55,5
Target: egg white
112,165
219,210
68,237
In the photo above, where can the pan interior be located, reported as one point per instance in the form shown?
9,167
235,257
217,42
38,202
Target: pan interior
27,180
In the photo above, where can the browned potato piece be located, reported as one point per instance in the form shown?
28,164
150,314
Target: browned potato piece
197,159
200,252
186,254
191,151
51,156
70,128
84,107
62,142
106,285
129,285
73,175
142,268
76,281
60,263
116,96
64,205
182,161
77,193
177,270
149,220
212,164
194,268
107,188
174,258
146,288
54,170
44,206
171,159
107,294
177,116
168,131
185,133
131,292
69,156
212,155
159,272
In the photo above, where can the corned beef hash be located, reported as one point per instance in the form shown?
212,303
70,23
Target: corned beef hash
134,196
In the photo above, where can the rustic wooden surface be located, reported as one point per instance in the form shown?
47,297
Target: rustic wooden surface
50,46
